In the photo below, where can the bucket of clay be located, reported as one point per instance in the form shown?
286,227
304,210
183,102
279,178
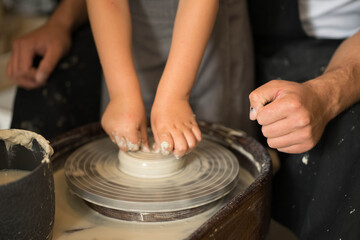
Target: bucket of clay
27,201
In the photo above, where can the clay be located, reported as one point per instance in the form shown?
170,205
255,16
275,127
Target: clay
149,164
25,138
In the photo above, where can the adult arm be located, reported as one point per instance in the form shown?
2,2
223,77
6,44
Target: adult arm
51,41
293,115
172,120
125,116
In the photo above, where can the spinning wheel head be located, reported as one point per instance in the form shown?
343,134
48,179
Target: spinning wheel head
128,183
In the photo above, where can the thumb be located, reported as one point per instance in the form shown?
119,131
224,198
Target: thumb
47,65
260,97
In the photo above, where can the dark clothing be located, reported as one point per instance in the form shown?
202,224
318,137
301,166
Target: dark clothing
316,194
71,96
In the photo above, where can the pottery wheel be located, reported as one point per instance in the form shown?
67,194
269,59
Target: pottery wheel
210,172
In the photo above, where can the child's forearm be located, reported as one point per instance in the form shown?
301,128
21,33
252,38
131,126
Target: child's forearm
193,26
111,25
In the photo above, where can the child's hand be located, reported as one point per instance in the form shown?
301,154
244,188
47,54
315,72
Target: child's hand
125,122
174,126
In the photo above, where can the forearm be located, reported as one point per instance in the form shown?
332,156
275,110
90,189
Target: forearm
339,86
70,14
193,26
111,25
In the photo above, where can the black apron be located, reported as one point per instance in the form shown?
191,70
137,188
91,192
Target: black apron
316,194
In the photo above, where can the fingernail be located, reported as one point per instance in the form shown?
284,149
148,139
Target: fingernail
154,149
177,156
252,113
164,148
40,77
131,146
120,142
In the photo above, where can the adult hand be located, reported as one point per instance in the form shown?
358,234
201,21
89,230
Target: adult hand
174,126
51,42
125,123
292,115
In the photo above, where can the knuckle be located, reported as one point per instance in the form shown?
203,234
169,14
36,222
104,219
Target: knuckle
275,82
260,119
181,148
192,144
303,120
294,103
254,95
198,134
307,134
265,131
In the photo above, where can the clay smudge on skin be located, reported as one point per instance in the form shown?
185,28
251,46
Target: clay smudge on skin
131,146
120,141
164,148
125,143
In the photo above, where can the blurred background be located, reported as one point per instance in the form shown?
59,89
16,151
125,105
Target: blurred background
17,17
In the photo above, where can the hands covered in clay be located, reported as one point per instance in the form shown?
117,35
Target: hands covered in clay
172,120
125,122
51,42
174,126
293,116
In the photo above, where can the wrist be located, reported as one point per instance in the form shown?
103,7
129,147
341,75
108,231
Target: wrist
173,89
169,97
328,93
64,26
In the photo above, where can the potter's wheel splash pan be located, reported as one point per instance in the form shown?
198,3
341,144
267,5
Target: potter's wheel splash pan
92,173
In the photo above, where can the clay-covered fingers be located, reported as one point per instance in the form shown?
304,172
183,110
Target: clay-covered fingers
125,124
166,143
132,140
179,139
174,126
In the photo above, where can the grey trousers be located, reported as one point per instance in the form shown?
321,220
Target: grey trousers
225,78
